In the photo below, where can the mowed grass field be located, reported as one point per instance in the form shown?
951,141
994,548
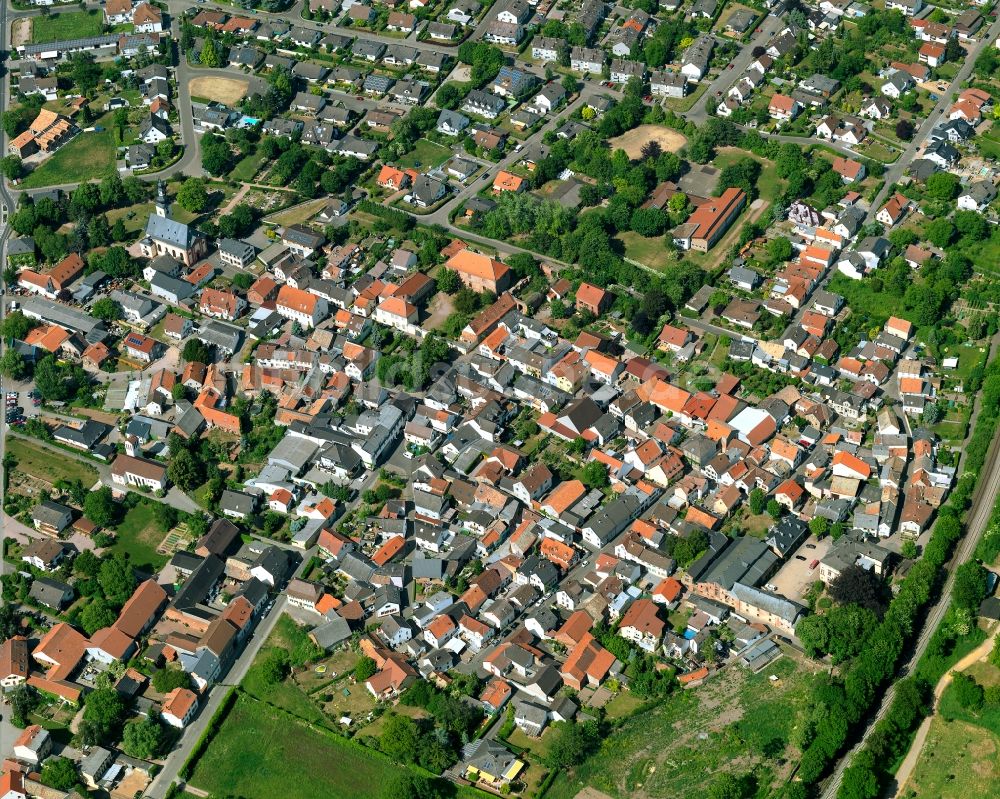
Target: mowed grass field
737,722
424,155
260,753
961,756
49,466
88,156
66,25
959,761
139,535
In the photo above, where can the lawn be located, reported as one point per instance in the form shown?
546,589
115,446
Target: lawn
769,185
134,217
286,695
246,169
88,156
139,535
424,155
66,25
48,466
298,214
988,717
958,761
651,252
989,144
875,306
735,722
260,752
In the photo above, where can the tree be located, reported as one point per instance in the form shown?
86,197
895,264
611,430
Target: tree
116,262
104,710
775,509
819,526
941,231
953,50
731,786
195,350
116,578
186,471
216,157
13,365
85,72
97,615
59,773
904,130
969,589
860,780
192,195
106,309
364,669
448,281
594,475
210,55
165,150
943,186
50,380
100,507
399,738
18,119
12,167
274,667
971,225
687,548
649,222
572,743
239,222
16,325
86,564
145,738
167,679
859,586
968,692
757,501
404,783
779,249
10,621
23,700
841,632
449,95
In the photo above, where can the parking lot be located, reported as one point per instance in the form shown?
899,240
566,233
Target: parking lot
795,577
19,404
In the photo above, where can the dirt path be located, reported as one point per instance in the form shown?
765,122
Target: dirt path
910,761
236,199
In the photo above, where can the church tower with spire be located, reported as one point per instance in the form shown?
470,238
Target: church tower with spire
162,203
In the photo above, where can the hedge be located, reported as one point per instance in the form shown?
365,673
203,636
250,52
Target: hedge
213,727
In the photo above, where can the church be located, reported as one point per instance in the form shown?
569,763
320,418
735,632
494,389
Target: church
166,236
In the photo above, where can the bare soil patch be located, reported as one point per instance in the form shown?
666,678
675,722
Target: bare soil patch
223,90
633,141
20,32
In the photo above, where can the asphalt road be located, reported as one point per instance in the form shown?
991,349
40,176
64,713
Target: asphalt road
168,774
717,89
895,170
